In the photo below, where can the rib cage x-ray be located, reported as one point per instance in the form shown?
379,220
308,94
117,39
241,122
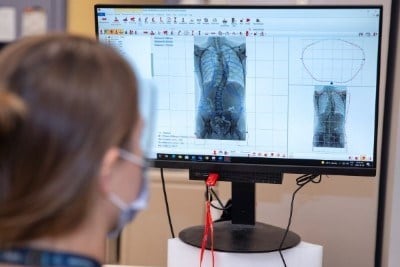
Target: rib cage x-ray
332,61
220,85
330,116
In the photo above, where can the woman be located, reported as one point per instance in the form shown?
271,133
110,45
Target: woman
71,168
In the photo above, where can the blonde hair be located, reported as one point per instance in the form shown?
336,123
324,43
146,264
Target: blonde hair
64,100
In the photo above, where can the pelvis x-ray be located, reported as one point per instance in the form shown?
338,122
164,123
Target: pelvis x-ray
220,87
329,116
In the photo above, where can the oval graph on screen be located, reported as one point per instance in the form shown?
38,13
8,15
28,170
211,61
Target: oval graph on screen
333,60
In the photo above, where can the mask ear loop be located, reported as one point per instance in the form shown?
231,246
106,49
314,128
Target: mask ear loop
128,210
141,201
132,158
117,201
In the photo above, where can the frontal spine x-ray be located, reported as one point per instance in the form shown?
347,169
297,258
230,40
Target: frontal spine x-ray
220,64
330,115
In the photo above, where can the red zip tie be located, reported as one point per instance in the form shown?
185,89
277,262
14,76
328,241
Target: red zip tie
212,179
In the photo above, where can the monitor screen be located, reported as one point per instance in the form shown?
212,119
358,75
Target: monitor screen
289,89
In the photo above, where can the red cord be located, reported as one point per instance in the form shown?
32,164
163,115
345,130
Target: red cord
208,222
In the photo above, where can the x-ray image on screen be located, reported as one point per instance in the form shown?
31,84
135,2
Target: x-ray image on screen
220,64
329,116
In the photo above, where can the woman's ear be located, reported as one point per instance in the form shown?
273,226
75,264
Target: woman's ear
109,161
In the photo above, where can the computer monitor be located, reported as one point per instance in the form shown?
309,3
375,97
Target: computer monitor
251,92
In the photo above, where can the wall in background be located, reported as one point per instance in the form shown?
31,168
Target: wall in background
50,16
391,168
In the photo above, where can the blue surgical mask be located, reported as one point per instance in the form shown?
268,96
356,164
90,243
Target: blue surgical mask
128,211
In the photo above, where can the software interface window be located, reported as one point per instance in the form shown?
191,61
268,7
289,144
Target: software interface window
261,83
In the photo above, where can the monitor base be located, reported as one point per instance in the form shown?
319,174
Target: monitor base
242,238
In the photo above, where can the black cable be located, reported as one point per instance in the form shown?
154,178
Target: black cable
300,181
222,207
166,203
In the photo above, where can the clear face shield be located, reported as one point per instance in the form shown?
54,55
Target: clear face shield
147,106
128,211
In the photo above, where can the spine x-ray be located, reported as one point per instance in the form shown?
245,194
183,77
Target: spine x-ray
330,115
332,61
220,64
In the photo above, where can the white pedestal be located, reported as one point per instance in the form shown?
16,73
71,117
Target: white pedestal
303,255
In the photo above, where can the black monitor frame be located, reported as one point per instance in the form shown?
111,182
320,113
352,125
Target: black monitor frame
273,165
245,172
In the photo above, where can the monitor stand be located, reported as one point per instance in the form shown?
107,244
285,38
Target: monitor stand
242,234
